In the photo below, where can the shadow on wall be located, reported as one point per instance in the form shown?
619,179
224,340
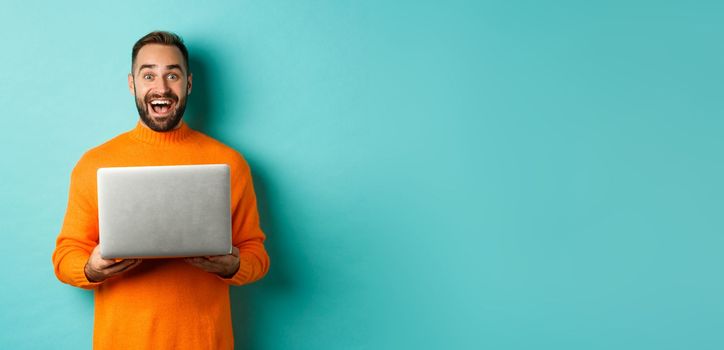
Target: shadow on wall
199,105
202,114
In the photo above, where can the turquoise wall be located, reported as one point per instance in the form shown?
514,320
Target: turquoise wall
431,175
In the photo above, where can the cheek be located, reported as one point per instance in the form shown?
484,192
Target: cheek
141,91
180,91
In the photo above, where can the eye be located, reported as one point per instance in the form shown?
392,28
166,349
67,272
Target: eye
173,76
148,76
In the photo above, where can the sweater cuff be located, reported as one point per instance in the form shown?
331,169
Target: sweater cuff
77,273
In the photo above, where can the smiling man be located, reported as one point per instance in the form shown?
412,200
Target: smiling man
160,90
159,303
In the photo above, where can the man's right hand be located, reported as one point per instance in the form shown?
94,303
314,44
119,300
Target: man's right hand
98,269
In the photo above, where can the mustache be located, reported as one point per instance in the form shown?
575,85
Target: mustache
168,95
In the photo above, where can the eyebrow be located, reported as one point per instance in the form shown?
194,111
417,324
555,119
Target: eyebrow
170,66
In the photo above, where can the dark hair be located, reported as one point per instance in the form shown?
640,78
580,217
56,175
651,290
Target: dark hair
163,38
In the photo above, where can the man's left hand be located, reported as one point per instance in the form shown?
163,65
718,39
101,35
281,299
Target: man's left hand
223,265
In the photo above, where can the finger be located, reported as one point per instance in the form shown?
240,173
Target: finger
96,253
118,267
204,265
125,263
136,263
118,261
133,265
234,253
106,263
198,262
121,270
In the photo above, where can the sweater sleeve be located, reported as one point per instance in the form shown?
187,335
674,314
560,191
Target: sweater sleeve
79,233
246,232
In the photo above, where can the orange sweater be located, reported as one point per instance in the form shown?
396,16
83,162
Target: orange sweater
162,303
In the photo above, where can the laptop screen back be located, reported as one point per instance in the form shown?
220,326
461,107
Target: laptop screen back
164,211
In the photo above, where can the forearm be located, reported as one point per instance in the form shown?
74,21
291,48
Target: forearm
69,265
79,233
247,234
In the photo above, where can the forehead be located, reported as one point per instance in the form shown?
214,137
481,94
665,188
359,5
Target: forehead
160,55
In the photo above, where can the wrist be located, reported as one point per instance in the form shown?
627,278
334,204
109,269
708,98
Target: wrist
89,275
231,272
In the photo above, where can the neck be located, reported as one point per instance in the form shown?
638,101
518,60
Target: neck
174,136
178,125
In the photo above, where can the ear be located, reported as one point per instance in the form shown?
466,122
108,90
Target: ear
188,84
131,88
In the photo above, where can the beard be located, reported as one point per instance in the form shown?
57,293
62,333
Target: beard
165,123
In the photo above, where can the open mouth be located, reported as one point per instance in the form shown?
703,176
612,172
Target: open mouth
161,106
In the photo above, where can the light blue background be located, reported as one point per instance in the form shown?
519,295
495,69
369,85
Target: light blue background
449,174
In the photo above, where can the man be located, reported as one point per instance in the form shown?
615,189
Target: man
159,303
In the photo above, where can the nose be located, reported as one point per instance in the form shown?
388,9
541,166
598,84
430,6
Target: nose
162,86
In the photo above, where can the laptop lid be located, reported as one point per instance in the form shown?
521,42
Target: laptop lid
164,211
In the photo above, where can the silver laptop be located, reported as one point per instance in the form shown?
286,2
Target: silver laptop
164,211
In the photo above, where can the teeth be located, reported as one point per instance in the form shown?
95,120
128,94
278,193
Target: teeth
159,102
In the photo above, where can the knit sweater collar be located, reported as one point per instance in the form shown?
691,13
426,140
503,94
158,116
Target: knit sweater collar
144,134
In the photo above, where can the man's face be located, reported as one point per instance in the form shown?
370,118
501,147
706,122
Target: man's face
160,84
